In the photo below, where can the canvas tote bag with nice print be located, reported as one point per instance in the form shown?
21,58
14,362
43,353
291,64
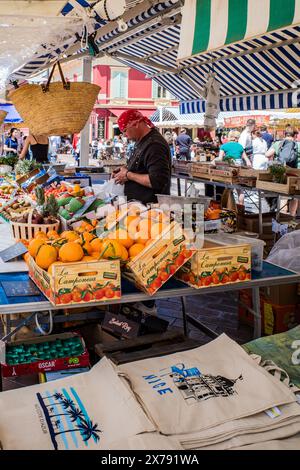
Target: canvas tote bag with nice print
194,390
87,411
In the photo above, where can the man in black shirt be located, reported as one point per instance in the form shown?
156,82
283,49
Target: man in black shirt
149,169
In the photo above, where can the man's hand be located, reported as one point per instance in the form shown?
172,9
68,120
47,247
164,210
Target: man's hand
121,176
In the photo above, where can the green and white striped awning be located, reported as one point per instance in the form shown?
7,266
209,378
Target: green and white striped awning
208,25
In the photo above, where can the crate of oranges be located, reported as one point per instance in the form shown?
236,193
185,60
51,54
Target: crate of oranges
156,248
70,268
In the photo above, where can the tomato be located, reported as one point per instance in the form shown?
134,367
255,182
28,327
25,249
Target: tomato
186,277
157,283
76,296
99,294
66,298
172,269
207,281
242,275
179,260
234,276
88,296
215,279
192,279
225,279
164,276
109,293
118,294
248,276
200,283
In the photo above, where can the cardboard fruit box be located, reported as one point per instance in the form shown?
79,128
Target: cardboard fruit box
159,261
47,365
73,283
217,265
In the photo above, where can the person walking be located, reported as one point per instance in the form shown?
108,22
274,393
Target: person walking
267,136
233,150
246,137
260,147
184,142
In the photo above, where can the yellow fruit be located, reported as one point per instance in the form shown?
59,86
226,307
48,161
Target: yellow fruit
111,249
136,249
71,252
96,244
124,238
46,255
26,257
124,256
70,235
35,245
50,269
130,223
95,255
144,226
53,235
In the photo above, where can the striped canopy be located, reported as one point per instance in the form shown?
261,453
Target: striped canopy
256,73
208,25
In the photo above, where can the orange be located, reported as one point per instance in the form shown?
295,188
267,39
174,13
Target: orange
96,244
25,242
124,255
111,249
69,235
123,237
136,249
34,246
88,258
71,252
50,269
87,236
157,215
52,235
130,223
95,255
46,255
41,235
88,227
87,248
148,242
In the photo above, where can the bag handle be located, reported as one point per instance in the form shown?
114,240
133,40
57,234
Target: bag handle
66,85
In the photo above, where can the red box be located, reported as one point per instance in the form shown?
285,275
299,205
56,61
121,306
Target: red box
47,365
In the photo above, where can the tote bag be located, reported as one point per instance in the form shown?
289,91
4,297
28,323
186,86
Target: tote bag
193,390
86,411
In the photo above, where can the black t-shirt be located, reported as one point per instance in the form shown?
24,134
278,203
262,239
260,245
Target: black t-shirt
151,156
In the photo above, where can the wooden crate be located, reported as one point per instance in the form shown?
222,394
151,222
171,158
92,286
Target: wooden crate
250,172
249,181
182,167
200,170
292,186
225,175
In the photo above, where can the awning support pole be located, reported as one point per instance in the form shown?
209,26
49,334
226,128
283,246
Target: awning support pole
85,133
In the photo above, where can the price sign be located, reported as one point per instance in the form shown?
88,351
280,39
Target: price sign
13,252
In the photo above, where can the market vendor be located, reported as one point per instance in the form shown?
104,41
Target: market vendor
148,171
11,143
39,146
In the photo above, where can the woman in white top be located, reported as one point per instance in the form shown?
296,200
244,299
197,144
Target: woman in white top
260,147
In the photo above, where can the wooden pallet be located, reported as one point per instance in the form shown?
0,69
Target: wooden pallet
144,347
292,186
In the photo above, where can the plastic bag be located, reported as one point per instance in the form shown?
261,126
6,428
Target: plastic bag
286,252
111,189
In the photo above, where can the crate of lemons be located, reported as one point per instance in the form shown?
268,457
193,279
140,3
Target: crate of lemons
79,266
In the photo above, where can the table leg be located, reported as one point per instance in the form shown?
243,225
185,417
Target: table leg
257,312
183,308
178,187
260,217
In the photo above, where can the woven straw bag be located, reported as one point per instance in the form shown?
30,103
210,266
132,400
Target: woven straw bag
2,116
57,108
28,230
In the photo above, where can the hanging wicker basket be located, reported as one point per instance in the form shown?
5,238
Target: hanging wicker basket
28,230
57,108
2,116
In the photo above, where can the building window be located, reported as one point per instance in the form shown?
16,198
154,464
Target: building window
158,91
119,84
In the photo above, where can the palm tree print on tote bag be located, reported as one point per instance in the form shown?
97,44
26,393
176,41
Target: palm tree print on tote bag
67,419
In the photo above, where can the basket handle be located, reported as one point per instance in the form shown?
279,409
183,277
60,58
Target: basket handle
66,85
